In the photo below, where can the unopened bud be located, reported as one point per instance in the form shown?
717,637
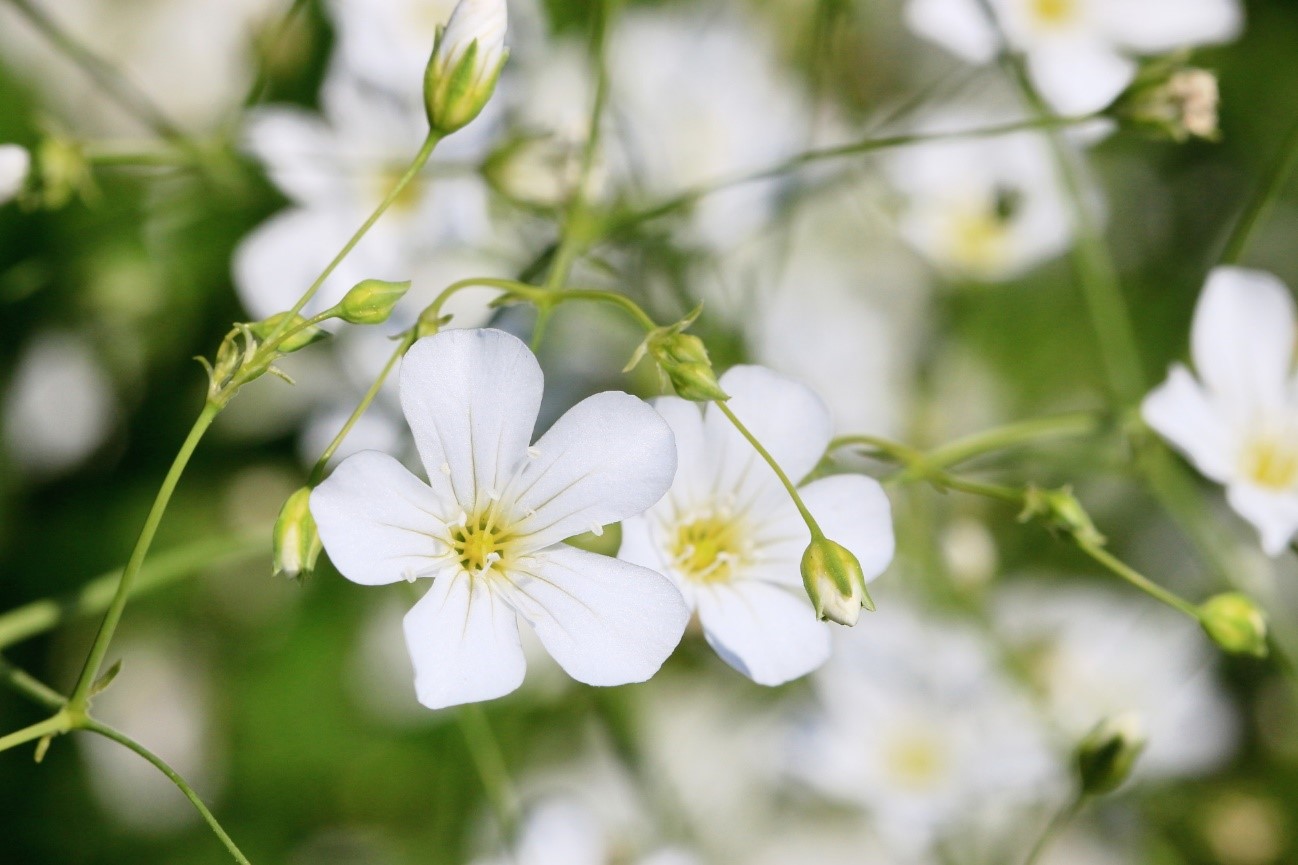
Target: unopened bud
1178,102
834,582
299,337
296,540
15,163
1107,754
467,59
371,301
1235,624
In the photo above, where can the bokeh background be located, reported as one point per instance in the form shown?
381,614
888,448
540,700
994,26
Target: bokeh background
289,706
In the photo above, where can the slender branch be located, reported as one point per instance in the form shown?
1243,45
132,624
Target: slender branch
1013,435
1057,824
816,532
261,82
31,687
490,764
121,738
58,723
95,596
133,565
1260,204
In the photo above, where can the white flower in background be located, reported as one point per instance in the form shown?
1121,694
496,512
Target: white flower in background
562,831
921,729
15,162
1079,52
1238,421
699,97
388,42
729,535
1095,653
488,527
60,405
983,209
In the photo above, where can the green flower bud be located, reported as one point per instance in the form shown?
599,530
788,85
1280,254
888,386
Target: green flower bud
1235,624
684,359
298,340
1107,754
371,301
296,540
467,59
834,582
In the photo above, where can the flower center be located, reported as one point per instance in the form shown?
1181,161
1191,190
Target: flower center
480,543
707,549
1052,13
916,761
1271,462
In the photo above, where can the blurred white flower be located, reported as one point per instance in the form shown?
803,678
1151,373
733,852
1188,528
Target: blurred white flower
15,162
388,42
921,729
1095,653
699,97
729,535
1079,52
985,209
560,831
1238,421
489,525
60,405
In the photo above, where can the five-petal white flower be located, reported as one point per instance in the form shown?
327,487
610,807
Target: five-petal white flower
1238,422
729,535
489,525
1077,50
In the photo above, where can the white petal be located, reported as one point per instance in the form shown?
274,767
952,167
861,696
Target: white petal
1275,514
299,151
1158,26
471,398
640,546
376,520
958,25
1078,76
767,632
1243,337
609,457
463,642
786,416
694,469
1183,413
605,621
854,511
15,162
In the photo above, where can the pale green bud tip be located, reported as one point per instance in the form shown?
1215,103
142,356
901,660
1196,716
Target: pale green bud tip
1107,754
1235,624
684,359
296,540
467,59
371,301
834,581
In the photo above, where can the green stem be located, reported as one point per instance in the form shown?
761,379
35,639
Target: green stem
1013,435
1260,204
1057,824
57,724
489,762
133,565
95,596
543,297
261,81
30,687
317,472
122,739
1137,579
816,533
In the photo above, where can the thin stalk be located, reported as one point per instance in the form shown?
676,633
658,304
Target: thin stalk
261,81
816,533
489,762
1137,579
29,686
1259,205
120,738
1013,435
1057,824
58,723
133,565
95,596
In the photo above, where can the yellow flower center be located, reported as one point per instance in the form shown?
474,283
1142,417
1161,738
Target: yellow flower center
1271,462
707,549
916,761
1052,13
480,543
980,235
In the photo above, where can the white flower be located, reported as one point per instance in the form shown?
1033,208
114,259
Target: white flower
729,535
388,42
481,21
1238,421
1078,51
457,85
489,525
1094,653
985,209
15,162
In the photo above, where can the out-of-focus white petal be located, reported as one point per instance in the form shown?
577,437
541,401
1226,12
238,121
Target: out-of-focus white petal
958,25
1158,26
767,632
1242,339
298,150
1274,514
786,416
609,457
854,511
463,641
1180,411
693,466
605,621
15,162
376,520
1079,76
471,398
